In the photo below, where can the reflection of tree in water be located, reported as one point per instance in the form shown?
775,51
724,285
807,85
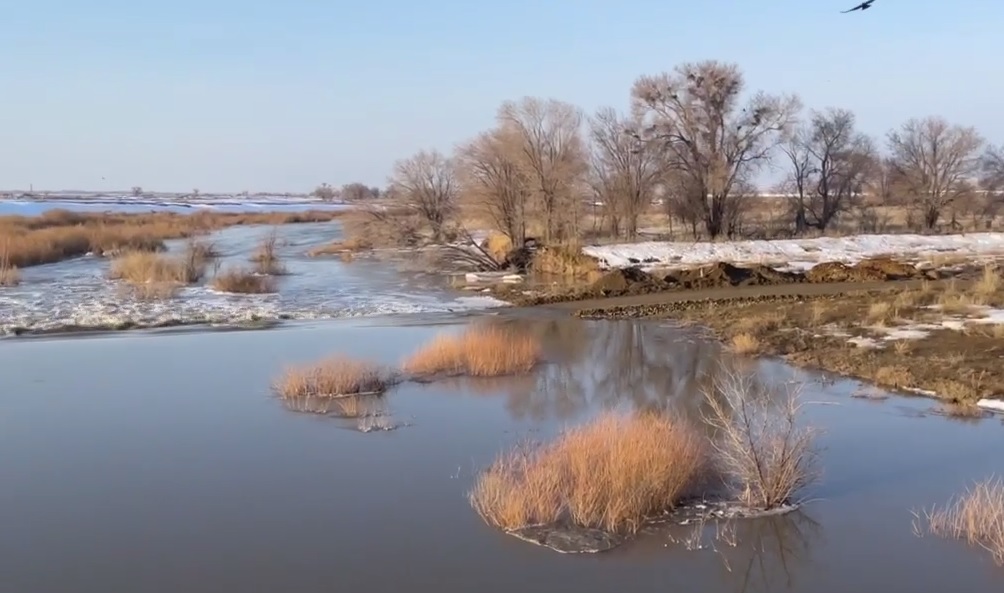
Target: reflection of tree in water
769,551
607,364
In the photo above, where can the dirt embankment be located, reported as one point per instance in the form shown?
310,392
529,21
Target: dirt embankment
922,338
634,281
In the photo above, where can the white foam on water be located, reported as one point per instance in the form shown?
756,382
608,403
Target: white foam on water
78,294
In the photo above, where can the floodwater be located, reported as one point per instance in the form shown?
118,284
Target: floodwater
161,463
77,294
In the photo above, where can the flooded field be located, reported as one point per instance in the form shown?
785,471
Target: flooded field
78,293
161,462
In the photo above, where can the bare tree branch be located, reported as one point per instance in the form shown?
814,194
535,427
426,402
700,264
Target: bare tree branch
707,135
625,170
935,162
426,183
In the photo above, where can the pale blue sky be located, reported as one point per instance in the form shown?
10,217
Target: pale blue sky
227,95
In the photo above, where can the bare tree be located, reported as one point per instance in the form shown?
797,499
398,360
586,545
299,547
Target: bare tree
137,191
358,192
552,154
324,192
427,184
935,161
695,113
992,179
491,176
829,164
625,170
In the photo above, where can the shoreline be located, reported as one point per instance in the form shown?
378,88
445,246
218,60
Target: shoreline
779,320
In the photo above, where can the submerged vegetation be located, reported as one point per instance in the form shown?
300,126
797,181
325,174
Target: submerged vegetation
976,517
619,471
242,281
612,473
335,376
479,351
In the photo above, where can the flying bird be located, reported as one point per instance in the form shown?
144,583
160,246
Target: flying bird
863,6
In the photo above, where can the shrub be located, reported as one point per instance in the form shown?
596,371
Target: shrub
332,377
759,447
266,257
241,281
612,473
480,351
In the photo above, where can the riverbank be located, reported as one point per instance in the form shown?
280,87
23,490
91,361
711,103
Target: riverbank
941,339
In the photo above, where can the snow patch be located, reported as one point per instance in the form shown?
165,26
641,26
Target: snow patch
798,253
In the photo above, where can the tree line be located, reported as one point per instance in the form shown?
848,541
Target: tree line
693,142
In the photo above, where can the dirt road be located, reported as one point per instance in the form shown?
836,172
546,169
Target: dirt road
734,292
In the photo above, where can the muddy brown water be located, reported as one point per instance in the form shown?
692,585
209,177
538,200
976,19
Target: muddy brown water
161,463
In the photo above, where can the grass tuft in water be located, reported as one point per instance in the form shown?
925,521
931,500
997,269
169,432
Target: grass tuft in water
480,351
612,473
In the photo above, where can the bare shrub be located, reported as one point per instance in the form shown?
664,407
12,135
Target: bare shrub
331,377
241,281
612,473
976,517
480,351
762,451
266,256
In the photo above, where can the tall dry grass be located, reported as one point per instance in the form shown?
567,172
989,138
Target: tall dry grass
480,351
242,281
612,473
60,234
758,443
331,377
977,517
9,274
565,260
144,267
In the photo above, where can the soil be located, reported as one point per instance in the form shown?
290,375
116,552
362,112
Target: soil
634,281
811,325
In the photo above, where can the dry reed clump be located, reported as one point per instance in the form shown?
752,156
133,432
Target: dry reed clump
759,447
498,246
9,274
57,235
612,473
144,267
761,325
989,283
266,257
745,343
241,281
334,376
340,248
882,313
480,351
565,260
976,517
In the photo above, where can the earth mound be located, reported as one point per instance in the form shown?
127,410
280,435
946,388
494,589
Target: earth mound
868,270
722,274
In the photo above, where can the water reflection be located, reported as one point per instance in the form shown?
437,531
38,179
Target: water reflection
768,553
592,365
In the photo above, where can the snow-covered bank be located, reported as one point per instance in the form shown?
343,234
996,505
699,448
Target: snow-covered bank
796,253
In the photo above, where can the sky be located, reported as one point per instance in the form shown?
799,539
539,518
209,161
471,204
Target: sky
268,95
